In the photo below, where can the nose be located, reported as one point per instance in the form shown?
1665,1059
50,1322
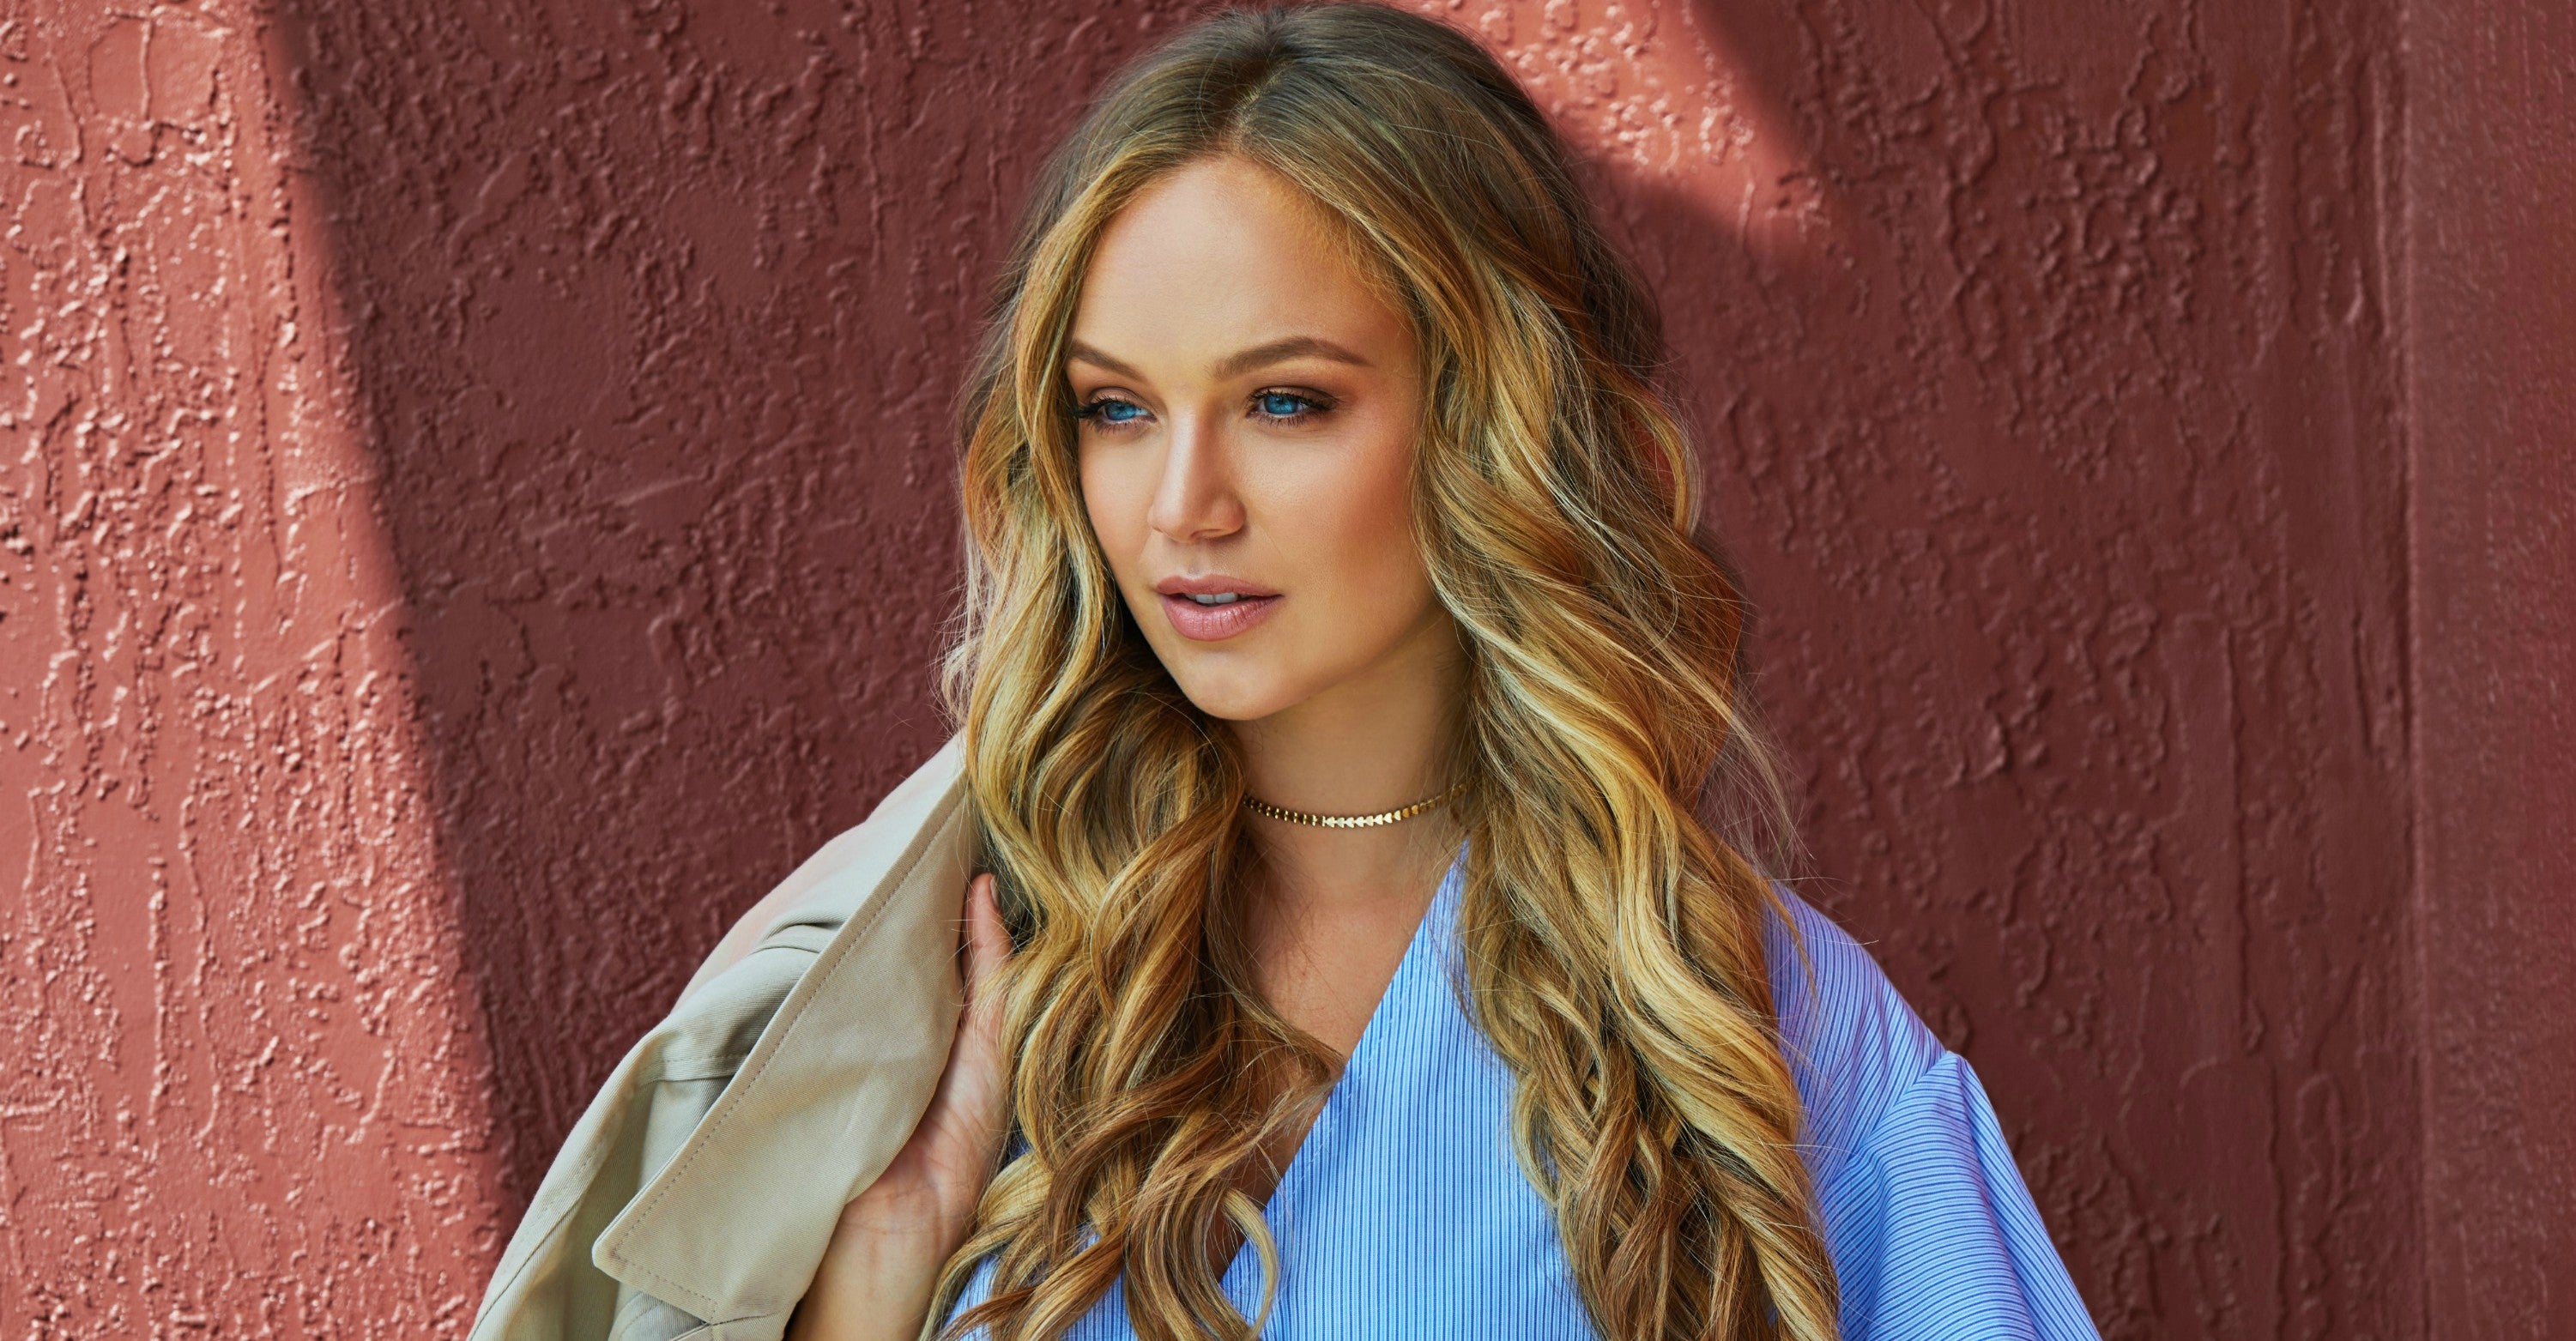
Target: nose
1195,500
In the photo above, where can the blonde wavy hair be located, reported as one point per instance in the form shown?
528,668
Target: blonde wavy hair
1613,911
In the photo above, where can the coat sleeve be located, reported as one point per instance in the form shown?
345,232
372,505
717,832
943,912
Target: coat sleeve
1932,1231
546,1286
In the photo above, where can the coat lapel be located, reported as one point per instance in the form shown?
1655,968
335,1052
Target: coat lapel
732,1228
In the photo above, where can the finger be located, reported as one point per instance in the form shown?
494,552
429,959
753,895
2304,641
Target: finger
977,1059
988,942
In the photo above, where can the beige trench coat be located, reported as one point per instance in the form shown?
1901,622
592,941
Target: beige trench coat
695,1195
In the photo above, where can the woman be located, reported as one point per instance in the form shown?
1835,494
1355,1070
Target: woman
1342,683
1340,676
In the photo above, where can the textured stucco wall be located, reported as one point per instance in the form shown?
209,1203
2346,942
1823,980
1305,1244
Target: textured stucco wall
475,510
243,1090
2491,403
2055,421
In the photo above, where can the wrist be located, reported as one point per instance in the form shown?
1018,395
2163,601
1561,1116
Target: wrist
878,1278
899,1211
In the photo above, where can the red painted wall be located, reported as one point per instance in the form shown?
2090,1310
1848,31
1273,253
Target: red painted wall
2490,358
475,510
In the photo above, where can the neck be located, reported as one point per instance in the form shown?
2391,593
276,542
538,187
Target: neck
1372,743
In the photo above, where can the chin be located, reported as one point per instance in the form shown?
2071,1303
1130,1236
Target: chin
1231,696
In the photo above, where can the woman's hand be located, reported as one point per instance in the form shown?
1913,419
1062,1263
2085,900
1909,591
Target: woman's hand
884,1258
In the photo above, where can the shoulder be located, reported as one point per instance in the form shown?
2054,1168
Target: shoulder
1852,1042
1931,1228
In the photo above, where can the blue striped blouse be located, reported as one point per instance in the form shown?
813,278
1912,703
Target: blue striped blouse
1404,1213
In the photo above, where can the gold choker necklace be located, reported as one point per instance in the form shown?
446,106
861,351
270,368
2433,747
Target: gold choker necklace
1269,811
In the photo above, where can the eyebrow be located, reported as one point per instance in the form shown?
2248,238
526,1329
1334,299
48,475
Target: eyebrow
1239,362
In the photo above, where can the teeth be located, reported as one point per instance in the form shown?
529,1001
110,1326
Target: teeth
1221,598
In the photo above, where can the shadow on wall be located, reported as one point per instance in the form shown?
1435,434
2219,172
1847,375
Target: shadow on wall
657,312
2075,579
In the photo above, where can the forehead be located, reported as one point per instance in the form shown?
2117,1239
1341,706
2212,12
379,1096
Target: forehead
1224,250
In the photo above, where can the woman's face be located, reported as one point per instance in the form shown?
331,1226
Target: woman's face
1249,412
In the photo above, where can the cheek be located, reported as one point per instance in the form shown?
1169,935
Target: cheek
1358,523
1115,503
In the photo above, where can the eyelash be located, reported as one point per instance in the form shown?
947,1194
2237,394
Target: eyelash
1316,405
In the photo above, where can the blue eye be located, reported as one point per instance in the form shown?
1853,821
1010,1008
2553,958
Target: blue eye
1109,410
1280,407
1284,405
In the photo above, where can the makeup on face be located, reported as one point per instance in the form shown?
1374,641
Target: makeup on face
1247,406
1212,607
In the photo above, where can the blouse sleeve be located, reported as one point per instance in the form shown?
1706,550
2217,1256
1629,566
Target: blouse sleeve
1932,1232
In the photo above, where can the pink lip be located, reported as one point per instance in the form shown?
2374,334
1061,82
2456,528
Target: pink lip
1208,623
1210,584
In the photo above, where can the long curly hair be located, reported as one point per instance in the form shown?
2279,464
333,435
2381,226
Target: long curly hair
1622,793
